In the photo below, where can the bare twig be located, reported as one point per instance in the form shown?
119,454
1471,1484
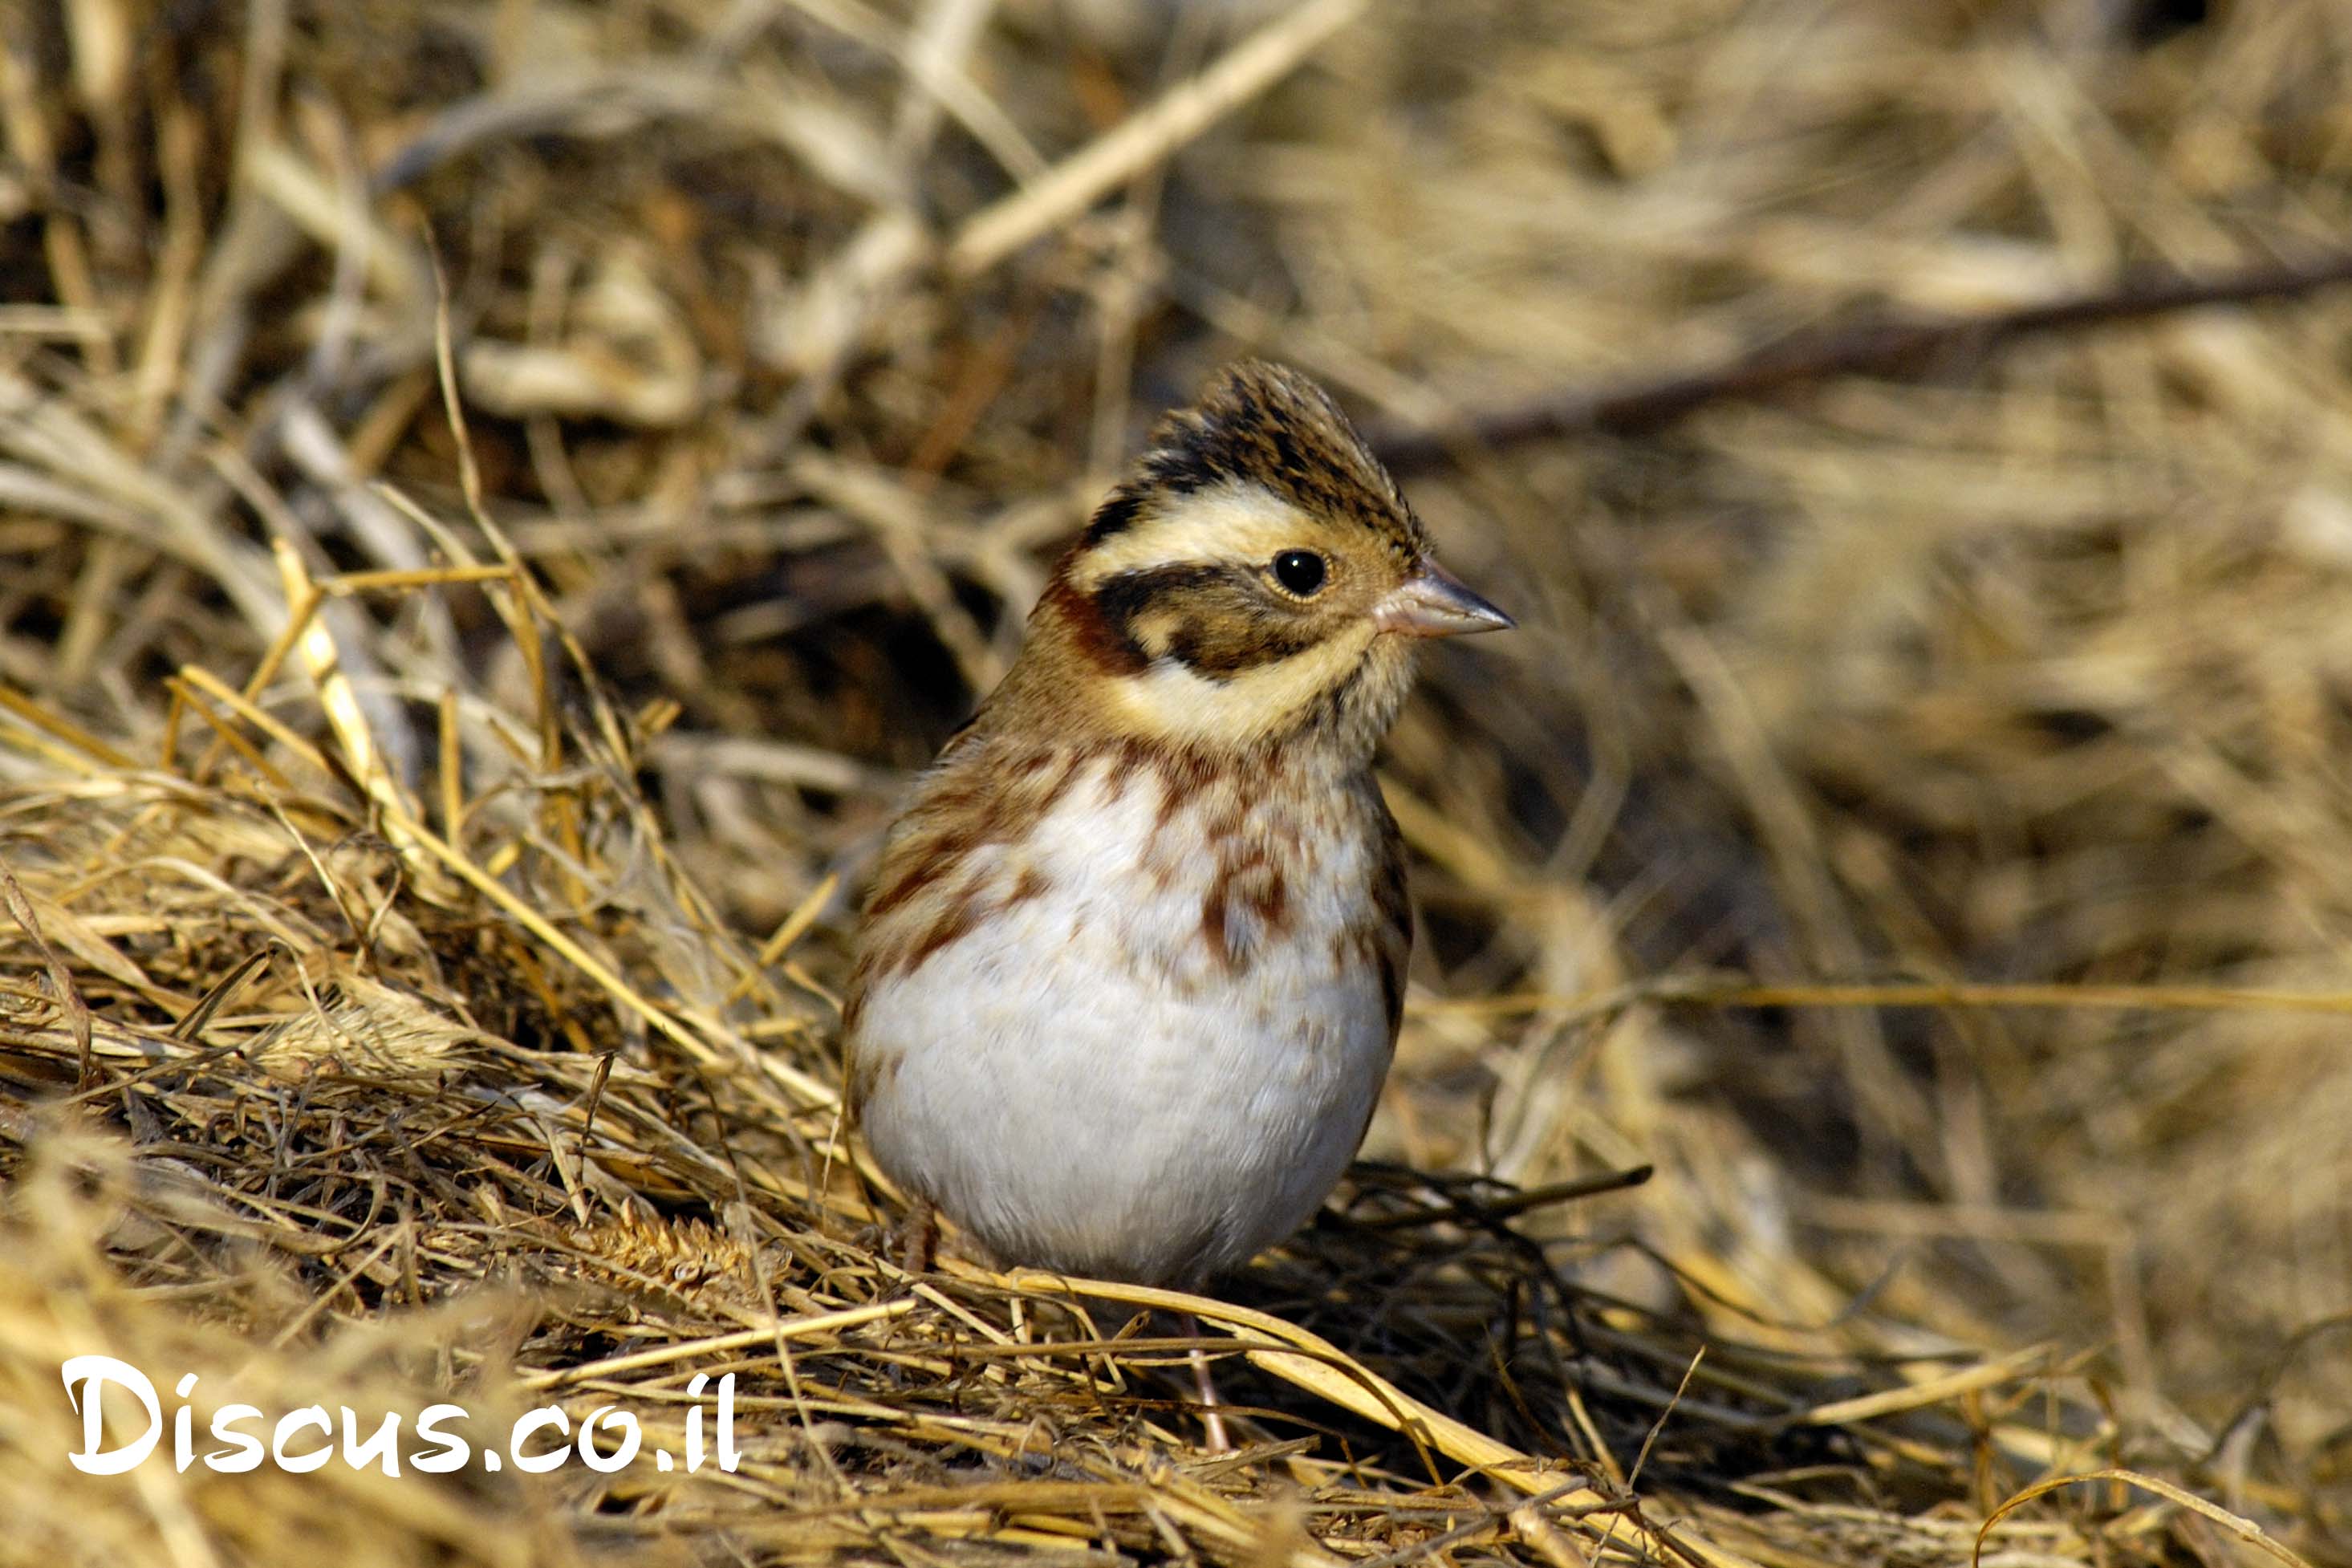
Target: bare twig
1252,65
1894,347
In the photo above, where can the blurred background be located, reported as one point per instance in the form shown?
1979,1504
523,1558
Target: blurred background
795,336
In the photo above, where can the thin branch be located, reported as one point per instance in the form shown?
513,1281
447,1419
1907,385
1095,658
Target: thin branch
1893,348
1151,133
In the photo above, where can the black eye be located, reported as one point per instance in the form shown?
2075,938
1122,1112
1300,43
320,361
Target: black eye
1299,572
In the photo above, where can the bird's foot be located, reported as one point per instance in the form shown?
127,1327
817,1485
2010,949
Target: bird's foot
918,1237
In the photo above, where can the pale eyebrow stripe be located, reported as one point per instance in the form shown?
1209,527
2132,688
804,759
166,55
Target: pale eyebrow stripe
1231,523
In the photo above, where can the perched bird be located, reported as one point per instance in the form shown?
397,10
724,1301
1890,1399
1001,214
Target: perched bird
1129,975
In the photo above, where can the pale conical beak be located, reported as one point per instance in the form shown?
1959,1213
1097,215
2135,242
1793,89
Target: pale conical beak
1433,603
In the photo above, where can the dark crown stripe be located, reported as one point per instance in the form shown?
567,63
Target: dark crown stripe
1262,425
1115,515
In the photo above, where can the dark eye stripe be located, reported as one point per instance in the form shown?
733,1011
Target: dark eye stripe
1119,600
1221,652
1222,625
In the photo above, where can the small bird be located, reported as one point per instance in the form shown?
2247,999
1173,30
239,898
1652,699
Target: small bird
1129,973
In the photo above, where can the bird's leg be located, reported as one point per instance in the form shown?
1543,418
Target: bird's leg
918,1236
1218,1442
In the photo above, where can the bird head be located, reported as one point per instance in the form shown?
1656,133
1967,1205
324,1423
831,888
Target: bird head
1254,578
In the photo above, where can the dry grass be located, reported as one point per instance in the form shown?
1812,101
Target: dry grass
497,497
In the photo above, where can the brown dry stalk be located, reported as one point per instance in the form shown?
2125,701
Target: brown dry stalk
1890,348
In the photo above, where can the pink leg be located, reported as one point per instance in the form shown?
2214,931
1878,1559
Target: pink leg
918,1235
1218,1442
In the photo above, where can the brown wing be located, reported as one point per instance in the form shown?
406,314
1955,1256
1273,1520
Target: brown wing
1391,904
1387,937
922,896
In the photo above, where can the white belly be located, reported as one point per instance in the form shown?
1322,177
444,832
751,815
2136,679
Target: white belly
1086,1083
